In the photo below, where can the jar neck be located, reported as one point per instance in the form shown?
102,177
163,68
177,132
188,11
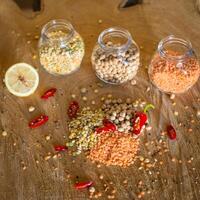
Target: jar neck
174,48
58,31
115,39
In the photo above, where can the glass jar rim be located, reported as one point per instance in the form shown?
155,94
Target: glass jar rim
171,39
121,31
58,22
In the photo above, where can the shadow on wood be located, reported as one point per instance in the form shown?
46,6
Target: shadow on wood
128,3
34,5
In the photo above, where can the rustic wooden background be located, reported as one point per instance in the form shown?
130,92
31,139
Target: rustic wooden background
25,174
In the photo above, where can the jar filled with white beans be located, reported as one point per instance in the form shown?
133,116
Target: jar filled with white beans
116,56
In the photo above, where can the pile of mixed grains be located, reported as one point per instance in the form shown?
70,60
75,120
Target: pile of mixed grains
108,135
60,56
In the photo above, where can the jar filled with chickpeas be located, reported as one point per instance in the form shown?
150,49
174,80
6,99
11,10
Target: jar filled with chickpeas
116,56
61,48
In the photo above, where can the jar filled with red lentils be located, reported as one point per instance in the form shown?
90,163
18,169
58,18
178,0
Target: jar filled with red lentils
61,48
116,56
174,67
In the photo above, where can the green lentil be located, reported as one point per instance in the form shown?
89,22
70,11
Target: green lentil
82,128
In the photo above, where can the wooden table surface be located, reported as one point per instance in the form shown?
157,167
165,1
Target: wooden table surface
24,172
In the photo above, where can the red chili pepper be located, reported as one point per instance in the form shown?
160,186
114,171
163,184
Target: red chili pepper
40,120
73,109
171,132
82,185
108,126
138,122
49,93
60,148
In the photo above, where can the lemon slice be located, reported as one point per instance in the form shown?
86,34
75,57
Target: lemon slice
21,79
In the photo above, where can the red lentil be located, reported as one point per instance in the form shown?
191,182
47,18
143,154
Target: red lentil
115,149
169,78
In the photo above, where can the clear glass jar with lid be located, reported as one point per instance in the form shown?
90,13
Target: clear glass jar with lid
61,48
174,67
116,56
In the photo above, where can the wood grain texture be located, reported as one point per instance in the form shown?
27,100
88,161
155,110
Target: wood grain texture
48,180
198,5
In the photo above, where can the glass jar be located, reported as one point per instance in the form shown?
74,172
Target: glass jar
115,57
174,67
61,48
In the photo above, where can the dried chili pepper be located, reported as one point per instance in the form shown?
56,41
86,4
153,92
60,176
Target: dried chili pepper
82,185
73,109
107,126
171,132
49,93
60,148
138,122
38,121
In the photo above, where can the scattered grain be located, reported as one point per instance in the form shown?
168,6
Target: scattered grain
113,191
148,128
174,103
28,34
175,113
92,189
190,130
55,156
96,91
93,102
111,196
47,157
141,158
31,108
98,166
48,137
36,37
173,159
83,90
140,182
133,82
142,193
84,98
125,181
172,96
34,57
148,89
73,96
146,160
101,176
4,133
100,21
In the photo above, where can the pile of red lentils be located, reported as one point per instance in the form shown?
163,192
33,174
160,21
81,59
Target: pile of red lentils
115,148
